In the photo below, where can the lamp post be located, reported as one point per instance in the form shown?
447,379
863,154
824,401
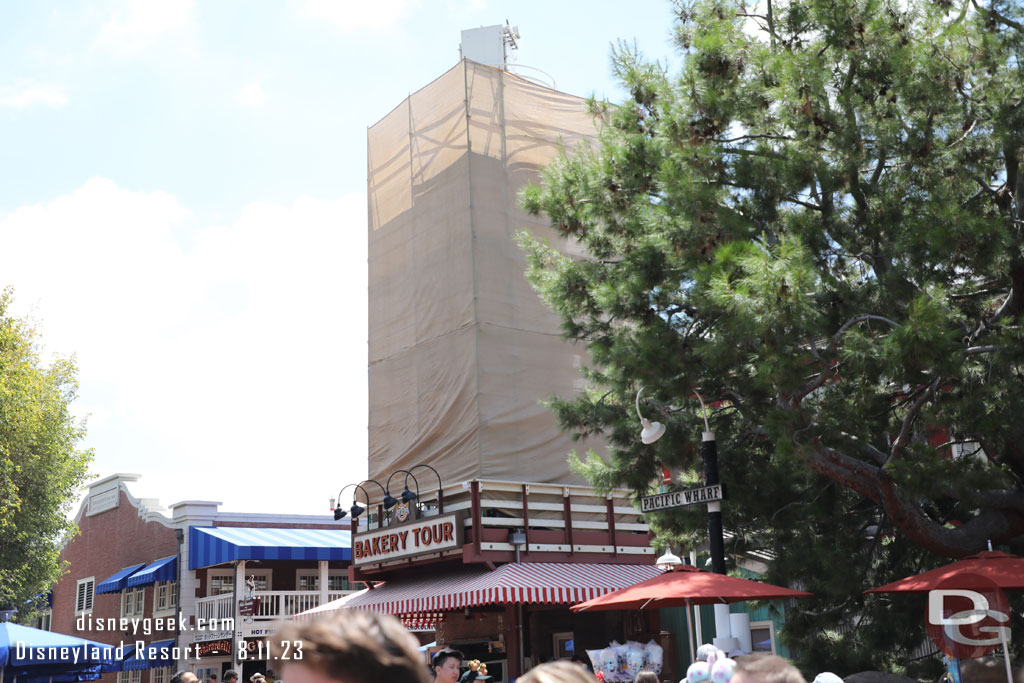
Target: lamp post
440,486
407,496
652,431
355,510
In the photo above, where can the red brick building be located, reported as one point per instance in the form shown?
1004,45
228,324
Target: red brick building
176,580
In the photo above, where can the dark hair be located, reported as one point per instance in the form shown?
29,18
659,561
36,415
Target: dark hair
441,656
647,677
356,647
230,673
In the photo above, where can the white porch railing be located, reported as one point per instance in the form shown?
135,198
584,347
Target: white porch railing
273,604
215,607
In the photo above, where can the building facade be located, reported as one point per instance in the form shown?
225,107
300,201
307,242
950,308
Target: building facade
191,587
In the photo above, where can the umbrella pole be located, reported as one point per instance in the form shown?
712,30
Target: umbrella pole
1006,655
689,634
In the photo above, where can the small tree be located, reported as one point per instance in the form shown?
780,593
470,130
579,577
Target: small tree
817,224
41,466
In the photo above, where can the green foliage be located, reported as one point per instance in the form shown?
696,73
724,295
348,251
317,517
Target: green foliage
816,224
41,466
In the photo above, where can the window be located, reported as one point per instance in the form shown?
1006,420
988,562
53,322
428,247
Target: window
309,580
220,584
129,677
166,595
762,637
563,645
42,622
223,580
158,675
84,595
133,602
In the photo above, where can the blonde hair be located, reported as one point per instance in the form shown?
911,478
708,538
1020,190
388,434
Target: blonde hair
765,668
557,672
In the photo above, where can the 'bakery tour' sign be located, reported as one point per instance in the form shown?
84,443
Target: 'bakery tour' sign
428,535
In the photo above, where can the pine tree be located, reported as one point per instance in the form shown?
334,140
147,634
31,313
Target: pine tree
817,225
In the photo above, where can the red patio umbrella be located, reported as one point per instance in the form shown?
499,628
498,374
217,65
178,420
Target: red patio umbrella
687,585
977,572
1001,569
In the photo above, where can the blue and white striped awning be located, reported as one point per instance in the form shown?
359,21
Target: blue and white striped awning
165,569
116,583
208,546
153,656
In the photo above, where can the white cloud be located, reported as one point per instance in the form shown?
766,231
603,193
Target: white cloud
26,94
137,24
202,345
251,94
350,16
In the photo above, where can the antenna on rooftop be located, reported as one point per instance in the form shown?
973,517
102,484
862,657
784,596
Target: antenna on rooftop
490,45
496,46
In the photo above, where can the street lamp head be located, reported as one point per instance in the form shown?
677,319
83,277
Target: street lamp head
390,501
652,431
339,513
356,510
408,496
668,561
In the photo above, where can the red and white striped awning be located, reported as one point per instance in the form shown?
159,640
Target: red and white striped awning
510,583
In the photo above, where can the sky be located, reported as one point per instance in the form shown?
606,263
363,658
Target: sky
183,209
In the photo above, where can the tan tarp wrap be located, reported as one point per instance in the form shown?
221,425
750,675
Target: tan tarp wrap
461,348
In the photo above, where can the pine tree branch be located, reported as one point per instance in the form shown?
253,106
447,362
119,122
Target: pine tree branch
906,515
978,350
908,420
807,205
875,454
877,174
964,136
980,292
1006,21
834,345
1000,498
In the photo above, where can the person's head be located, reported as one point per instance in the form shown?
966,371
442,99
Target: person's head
560,671
647,677
230,676
445,665
827,677
349,646
704,651
184,677
212,678
258,678
766,669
